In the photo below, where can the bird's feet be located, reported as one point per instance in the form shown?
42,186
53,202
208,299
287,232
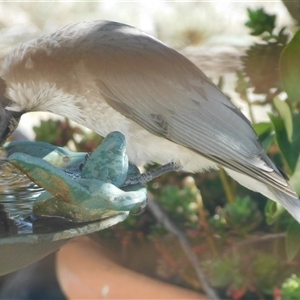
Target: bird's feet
150,175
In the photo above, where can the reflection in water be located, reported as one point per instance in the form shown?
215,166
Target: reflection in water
18,200
7,226
16,205
17,195
17,192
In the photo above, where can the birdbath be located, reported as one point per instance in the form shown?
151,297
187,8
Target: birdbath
83,194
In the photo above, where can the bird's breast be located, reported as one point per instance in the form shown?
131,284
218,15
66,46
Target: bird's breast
142,145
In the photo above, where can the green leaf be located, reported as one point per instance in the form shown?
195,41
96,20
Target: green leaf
286,114
295,178
260,21
262,127
290,68
292,241
290,289
289,149
265,132
283,142
273,211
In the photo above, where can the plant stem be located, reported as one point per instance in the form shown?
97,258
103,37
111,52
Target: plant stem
190,182
276,241
229,192
171,227
262,238
244,97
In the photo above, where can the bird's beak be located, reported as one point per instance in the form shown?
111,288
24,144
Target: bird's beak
9,121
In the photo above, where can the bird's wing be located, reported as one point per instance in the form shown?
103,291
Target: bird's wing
168,95
157,88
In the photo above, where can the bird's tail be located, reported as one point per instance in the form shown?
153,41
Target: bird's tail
291,204
283,194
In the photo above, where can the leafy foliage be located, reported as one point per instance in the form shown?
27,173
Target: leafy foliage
54,132
291,288
290,68
246,271
61,133
260,22
243,216
261,62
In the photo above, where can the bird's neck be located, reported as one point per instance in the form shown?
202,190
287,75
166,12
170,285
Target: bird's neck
43,96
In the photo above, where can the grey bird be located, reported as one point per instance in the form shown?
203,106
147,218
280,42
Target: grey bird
109,76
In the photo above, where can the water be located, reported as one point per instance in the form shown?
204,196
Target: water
15,207
17,196
17,192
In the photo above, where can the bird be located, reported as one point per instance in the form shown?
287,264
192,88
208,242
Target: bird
109,76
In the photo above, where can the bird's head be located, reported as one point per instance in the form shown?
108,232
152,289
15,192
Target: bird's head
9,120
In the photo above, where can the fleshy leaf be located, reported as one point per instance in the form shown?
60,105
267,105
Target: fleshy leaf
295,178
290,68
273,211
283,142
289,149
286,114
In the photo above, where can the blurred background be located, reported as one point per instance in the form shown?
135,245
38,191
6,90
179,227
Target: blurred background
241,251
